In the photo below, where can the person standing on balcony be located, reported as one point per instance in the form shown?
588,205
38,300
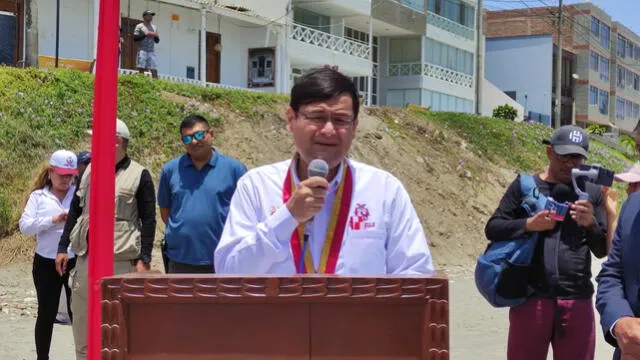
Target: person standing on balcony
147,35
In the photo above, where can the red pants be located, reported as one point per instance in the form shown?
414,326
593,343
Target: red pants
569,325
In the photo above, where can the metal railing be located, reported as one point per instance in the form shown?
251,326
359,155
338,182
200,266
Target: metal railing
184,80
417,5
430,70
330,41
450,25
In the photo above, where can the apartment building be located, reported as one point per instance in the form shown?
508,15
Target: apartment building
398,52
436,67
601,63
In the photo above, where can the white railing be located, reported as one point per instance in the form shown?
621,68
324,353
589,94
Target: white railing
451,76
330,41
450,26
416,5
184,80
405,69
432,71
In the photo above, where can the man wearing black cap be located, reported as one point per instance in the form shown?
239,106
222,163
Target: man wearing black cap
560,311
147,35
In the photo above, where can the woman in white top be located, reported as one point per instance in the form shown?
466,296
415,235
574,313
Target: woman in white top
44,216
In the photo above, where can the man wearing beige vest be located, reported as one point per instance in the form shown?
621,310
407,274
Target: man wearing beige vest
134,230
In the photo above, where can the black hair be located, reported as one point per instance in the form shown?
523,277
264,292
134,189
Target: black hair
320,85
191,120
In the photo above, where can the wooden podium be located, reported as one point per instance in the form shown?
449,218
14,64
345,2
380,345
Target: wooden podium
188,317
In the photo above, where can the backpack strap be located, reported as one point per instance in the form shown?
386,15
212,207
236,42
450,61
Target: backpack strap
532,199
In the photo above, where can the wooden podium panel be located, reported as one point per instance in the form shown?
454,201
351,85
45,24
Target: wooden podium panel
194,317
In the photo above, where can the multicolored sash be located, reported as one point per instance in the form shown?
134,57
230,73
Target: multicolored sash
335,230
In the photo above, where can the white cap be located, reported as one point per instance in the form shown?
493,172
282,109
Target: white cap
121,129
64,162
631,175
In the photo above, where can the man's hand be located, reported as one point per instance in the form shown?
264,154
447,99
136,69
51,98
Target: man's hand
627,332
582,213
541,221
152,34
308,198
142,267
61,263
60,218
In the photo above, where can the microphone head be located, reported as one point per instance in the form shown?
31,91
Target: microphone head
562,193
318,167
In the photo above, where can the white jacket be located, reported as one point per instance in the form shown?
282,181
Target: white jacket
388,239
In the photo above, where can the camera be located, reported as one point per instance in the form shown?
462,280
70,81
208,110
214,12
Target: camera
593,173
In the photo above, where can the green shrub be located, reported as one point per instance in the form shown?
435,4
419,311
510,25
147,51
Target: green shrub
596,129
506,112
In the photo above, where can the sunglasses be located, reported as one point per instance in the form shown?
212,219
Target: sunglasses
198,135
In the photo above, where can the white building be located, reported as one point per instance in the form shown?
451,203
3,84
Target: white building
418,52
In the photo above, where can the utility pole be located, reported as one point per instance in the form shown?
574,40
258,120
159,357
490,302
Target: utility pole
558,108
479,57
31,25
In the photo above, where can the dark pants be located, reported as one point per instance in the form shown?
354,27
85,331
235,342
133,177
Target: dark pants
568,325
181,268
48,287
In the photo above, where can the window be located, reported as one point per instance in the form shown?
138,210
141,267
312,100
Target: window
636,52
404,50
604,69
449,57
604,36
604,102
414,4
595,26
621,46
311,19
593,61
636,111
628,109
454,10
435,6
636,82
619,108
593,95
443,102
629,49
620,77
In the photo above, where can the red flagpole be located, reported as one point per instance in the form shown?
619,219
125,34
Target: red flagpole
102,188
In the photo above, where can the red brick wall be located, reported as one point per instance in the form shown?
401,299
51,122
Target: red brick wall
526,22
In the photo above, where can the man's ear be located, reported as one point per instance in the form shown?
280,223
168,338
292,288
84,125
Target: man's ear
291,115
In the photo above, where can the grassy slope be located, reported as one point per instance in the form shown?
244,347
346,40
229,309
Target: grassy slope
42,110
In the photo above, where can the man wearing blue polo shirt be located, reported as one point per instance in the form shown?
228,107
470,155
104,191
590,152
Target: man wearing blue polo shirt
194,195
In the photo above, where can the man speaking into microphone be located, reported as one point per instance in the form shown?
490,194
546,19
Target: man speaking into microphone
321,212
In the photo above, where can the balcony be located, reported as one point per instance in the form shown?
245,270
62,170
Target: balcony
329,41
432,71
450,26
183,80
417,5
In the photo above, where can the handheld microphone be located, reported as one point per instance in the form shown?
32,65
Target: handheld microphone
317,167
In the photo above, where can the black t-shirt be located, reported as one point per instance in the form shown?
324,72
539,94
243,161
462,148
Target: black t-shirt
561,265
